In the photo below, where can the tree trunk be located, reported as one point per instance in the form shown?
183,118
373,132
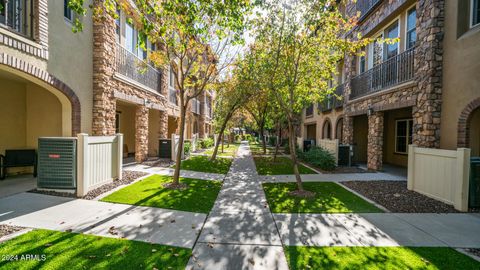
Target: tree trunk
264,146
217,143
223,141
293,155
178,158
279,140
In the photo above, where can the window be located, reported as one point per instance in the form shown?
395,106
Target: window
171,78
411,36
117,26
403,135
130,37
391,49
67,12
475,13
362,63
327,130
309,111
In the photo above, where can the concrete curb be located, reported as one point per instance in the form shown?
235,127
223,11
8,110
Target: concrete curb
15,234
363,197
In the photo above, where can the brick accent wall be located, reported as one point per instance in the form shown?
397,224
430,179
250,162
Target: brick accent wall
463,127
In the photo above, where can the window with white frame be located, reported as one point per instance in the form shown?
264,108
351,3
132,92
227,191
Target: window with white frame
130,37
67,12
362,61
403,135
391,50
411,35
117,26
475,13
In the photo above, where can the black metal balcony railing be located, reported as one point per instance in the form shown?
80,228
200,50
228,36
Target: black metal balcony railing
132,67
366,6
338,99
396,70
17,16
327,104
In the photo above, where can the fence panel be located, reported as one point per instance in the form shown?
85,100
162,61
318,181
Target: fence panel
440,174
99,161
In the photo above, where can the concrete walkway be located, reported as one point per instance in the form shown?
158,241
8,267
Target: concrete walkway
156,225
380,229
170,171
240,232
17,184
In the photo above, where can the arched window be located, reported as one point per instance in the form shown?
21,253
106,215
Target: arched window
327,130
339,130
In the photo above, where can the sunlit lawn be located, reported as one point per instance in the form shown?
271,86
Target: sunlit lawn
329,198
228,150
198,197
372,258
282,165
257,149
204,164
78,251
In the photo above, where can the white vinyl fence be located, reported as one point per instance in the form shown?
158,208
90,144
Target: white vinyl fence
99,161
175,144
440,174
300,143
331,146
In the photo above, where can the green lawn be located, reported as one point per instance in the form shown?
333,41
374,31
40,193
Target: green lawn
373,258
283,165
329,198
204,164
257,149
198,197
227,151
79,251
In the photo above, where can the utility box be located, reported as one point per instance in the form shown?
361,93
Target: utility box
165,148
345,155
57,163
474,185
307,144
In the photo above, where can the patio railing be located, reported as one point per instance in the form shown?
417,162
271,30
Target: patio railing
366,6
132,67
394,71
17,16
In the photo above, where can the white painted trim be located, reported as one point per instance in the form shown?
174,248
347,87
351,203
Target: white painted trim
405,23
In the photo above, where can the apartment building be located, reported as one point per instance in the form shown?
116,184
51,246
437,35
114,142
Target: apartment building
423,90
54,82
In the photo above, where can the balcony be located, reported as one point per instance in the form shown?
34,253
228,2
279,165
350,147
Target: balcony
332,101
394,71
17,16
195,106
366,6
338,101
129,65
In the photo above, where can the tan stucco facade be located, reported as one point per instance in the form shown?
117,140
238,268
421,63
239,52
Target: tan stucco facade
461,78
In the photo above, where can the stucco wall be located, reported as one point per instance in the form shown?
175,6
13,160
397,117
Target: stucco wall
127,125
461,82
389,155
70,57
319,119
12,110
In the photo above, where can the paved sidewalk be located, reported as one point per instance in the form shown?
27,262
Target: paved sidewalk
162,226
240,232
170,171
380,229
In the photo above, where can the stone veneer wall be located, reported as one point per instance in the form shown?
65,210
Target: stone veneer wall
428,68
107,89
423,94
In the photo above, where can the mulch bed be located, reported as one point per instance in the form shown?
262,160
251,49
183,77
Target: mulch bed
128,177
395,196
9,229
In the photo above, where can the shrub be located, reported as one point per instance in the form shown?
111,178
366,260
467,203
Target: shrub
249,138
318,157
187,147
206,143
238,138
272,141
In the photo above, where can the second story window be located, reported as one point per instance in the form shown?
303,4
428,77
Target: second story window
475,13
67,12
391,49
411,28
362,62
130,37
117,26
309,111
